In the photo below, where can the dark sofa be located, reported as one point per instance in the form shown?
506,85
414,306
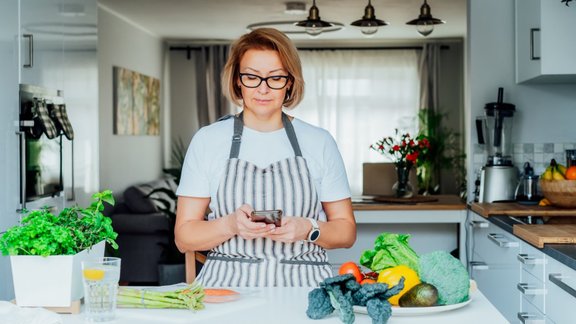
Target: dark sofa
144,218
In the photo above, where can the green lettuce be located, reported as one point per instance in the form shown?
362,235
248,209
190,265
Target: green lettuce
390,250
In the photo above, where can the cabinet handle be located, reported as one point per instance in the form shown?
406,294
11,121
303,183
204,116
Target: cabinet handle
478,265
30,50
479,224
528,318
500,240
528,290
556,278
532,32
22,140
529,260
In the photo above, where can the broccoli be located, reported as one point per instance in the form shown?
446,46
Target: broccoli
319,305
343,292
379,310
447,274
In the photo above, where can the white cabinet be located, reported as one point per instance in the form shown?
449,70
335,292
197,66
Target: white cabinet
532,285
62,57
494,266
544,45
561,297
9,198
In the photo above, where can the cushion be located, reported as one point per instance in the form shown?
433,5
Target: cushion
152,197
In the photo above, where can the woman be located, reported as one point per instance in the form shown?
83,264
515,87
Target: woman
262,159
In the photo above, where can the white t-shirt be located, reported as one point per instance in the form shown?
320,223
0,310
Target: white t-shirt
210,149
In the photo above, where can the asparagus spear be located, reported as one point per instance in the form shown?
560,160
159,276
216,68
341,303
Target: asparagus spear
190,297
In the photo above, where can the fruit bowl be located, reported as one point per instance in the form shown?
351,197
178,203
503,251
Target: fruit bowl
561,193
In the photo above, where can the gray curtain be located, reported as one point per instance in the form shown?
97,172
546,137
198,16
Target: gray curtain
429,68
209,65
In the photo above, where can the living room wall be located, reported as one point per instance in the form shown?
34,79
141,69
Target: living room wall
126,160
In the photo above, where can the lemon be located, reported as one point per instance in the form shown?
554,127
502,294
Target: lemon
93,274
391,277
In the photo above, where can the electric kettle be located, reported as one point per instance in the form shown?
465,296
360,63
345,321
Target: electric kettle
527,191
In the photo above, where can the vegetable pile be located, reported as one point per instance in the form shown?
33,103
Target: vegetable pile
190,297
431,279
343,292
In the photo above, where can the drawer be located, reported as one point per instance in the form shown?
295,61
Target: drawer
561,297
533,261
530,314
497,246
532,290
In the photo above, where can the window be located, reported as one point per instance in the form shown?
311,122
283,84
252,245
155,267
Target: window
360,96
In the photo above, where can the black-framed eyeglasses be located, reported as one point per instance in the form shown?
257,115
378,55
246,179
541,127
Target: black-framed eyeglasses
275,82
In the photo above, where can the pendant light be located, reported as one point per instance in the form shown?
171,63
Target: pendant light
313,23
369,24
425,22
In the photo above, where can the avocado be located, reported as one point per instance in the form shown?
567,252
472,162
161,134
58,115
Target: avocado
421,295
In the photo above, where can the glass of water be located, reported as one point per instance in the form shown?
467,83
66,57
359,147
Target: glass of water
100,277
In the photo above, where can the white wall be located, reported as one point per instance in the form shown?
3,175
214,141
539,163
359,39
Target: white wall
126,160
545,113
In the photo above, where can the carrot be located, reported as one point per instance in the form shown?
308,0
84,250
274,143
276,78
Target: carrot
220,295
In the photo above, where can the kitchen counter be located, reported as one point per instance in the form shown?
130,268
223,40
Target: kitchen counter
516,209
288,305
443,202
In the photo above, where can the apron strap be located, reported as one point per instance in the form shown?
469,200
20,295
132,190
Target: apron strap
239,127
237,136
291,134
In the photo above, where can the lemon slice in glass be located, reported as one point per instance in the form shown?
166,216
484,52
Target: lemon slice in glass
93,274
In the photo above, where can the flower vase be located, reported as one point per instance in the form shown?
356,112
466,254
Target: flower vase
403,187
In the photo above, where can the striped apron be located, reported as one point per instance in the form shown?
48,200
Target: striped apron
286,185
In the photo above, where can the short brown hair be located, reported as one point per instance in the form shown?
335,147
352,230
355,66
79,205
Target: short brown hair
264,39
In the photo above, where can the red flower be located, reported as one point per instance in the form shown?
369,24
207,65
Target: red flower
403,149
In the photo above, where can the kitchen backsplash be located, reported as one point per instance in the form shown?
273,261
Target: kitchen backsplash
538,154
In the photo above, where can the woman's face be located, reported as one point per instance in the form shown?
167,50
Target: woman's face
263,100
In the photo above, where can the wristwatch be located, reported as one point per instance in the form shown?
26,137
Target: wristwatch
314,232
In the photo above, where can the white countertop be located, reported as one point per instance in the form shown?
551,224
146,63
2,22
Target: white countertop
288,305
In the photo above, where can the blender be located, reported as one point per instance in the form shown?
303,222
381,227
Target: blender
498,177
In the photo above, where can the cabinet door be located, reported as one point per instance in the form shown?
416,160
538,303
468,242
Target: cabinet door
41,42
558,44
496,269
561,297
527,39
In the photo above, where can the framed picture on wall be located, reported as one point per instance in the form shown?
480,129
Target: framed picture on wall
136,103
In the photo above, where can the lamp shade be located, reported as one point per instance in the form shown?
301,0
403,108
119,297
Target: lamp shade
369,24
313,23
425,22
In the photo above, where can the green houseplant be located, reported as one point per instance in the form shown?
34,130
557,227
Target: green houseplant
445,153
46,251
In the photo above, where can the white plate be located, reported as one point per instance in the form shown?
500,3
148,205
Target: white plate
412,311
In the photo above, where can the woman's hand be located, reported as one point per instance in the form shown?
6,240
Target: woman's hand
293,229
241,224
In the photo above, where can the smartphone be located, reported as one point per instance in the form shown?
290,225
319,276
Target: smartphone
267,216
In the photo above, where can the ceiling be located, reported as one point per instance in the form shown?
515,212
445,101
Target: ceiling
185,20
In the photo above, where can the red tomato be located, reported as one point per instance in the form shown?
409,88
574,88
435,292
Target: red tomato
367,281
351,267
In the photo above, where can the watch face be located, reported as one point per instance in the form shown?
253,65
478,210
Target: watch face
314,235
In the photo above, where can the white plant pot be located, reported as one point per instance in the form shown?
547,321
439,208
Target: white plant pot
53,281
